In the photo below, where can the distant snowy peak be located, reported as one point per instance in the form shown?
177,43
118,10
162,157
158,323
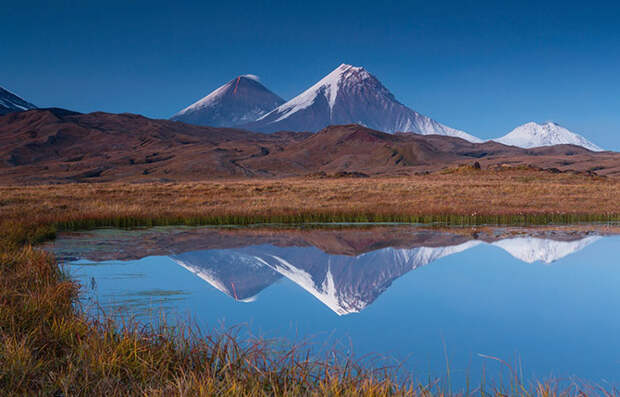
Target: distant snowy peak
10,102
240,101
347,95
548,134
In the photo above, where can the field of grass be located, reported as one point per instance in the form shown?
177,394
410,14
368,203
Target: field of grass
469,198
49,347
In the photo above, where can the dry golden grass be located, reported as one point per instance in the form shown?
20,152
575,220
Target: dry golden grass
487,195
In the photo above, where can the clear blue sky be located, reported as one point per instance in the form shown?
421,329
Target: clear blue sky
483,67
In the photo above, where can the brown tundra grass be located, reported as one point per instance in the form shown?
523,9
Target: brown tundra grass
471,197
49,347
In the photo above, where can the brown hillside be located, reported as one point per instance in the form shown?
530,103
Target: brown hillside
59,146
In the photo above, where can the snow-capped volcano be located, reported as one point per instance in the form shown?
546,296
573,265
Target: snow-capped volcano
548,134
349,95
240,101
10,102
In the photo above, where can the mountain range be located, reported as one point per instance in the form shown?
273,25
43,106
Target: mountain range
347,95
60,146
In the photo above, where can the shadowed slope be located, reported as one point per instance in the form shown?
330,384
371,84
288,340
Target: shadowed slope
57,146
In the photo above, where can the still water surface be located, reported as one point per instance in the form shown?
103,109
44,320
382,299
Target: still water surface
546,300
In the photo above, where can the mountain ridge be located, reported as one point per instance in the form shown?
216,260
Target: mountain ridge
351,95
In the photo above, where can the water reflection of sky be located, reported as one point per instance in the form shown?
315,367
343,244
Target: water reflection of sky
558,318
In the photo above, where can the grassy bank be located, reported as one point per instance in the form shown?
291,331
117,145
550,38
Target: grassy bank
48,347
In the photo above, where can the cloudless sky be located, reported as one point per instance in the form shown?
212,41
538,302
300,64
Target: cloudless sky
482,67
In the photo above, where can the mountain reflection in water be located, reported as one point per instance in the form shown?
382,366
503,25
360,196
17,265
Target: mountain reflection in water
345,269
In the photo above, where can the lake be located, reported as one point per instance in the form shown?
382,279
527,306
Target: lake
543,299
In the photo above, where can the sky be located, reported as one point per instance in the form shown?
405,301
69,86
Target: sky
482,67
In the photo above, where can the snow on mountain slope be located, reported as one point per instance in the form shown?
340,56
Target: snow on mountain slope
10,102
240,101
548,134
349,95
